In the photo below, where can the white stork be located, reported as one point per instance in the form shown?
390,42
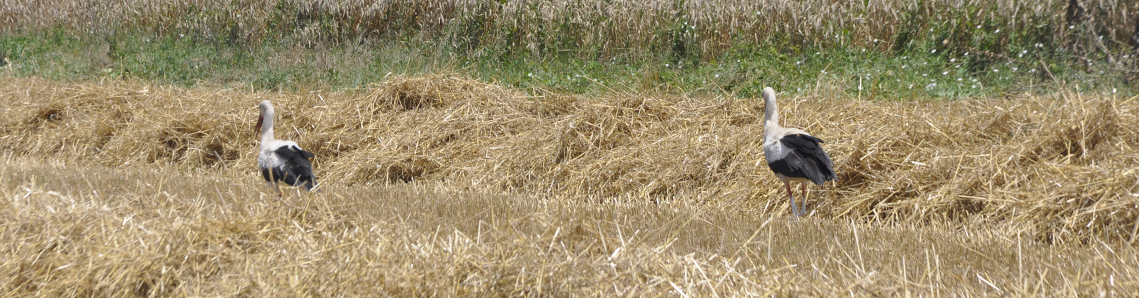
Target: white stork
281,160
792,154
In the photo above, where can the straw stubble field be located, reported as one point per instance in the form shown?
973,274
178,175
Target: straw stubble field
442,185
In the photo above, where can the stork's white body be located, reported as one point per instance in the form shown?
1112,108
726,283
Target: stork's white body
793,154
281,160
774,150
268,159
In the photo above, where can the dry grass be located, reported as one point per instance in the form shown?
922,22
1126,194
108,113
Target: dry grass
119,187
1060,168
77,230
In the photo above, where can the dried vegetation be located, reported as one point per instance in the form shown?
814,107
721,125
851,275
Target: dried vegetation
1061,168
75,229
442,185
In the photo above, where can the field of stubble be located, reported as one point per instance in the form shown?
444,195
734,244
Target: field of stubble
446,186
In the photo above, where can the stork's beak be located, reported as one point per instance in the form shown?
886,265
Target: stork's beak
260,119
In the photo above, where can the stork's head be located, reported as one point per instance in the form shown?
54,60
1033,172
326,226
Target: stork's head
266,109
768,93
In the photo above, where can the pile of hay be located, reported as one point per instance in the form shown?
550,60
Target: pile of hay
1062,167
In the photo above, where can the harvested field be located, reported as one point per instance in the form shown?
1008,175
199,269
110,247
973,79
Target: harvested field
446,183
1062,168
76,230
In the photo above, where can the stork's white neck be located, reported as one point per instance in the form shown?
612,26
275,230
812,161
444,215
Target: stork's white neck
267,124
770,113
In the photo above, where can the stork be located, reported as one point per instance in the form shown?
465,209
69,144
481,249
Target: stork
792,154
281,160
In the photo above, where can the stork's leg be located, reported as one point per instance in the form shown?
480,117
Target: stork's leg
794,208
804,188
272,181
274,186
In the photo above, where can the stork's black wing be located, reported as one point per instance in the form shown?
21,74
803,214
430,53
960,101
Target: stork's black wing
807,159
296,171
